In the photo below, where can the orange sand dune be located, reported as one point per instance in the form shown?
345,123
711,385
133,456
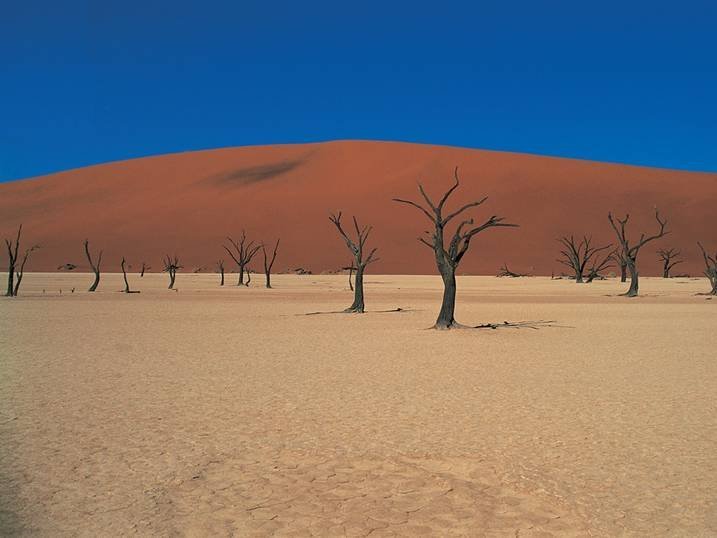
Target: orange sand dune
187,203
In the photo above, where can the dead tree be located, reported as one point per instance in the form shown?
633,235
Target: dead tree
670,257
448,256
505,272
269,262
243,253
600,264
12,250
171,265
95,266
145,267
220,270
629,252
124,275
577,254
360,262
248,277
710,269
21,270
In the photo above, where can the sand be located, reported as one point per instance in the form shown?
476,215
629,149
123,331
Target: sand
226,412
187,203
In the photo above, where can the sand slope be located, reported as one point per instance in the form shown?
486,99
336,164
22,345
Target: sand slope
187,203
219,412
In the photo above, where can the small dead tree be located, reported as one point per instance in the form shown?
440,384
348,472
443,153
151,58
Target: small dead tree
171,265
12,250
505,272
269,262
94,265
600,264
220,270
577,254
629,252
248,276
124,275
710,269
448,256
670,257
21,270
360,262
242,253
144,268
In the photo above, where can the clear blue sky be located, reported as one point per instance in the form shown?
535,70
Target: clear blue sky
89,82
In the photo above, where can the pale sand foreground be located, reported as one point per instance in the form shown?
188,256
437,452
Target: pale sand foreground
210,411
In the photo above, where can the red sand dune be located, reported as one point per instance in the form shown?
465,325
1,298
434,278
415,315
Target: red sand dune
187,203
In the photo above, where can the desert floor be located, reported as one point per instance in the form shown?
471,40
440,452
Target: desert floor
225,411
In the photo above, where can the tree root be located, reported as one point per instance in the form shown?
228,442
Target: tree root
350,311
535,325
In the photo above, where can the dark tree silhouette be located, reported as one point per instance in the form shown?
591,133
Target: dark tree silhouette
12,250
600,264
144,268
220,270
629,252
448,257
710,269
248,276
357,249
269,262
243,253
171,265
21,270
95,266
505,272
670,257
577,254
124,275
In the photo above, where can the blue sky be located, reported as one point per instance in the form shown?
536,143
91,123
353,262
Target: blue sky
89,82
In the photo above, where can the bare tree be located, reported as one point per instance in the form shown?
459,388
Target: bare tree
220,270
710,269
144,268
12,250
269,262
357,249
248,277
245,250
124,275
21,270
629,252
600,263
505,272
577,254
449,256
95,266
171,265
670,257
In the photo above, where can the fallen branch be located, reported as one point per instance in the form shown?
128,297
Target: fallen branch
399,309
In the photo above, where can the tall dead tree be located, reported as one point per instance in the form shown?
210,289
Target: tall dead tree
171,265
360,262
12,249
269,262
577,254
220,270
630,251
94,265
670,257
21,270
448,256
710,269
144,268
242,253
124,275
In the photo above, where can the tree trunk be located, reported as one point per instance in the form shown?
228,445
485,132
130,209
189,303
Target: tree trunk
446,318
623,272
10,281
241,276
172,276
666,270
96,283
578,277
124,275
634,277
358,304
222,282
268,278
17,284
